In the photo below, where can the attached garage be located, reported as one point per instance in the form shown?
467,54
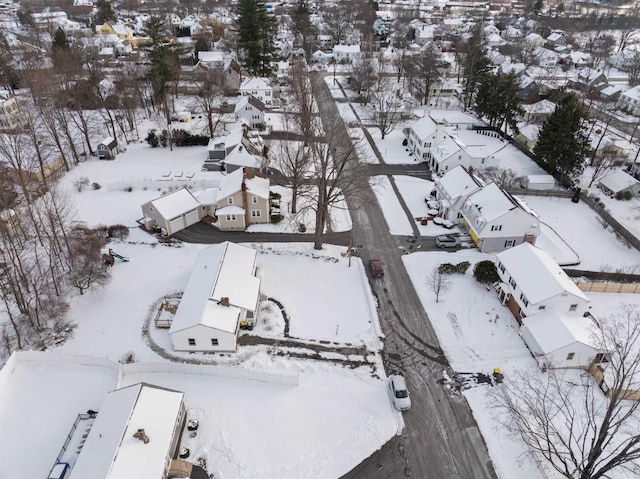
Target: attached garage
172,212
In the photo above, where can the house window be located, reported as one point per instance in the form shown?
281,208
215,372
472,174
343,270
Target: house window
570,356
512,283
214,341
509,243
254,200
601,358
231,217
573,307
192,341
249,315
496,227
542,307
230,200
255,213
501,267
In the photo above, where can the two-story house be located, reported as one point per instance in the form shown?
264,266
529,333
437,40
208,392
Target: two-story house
497,221
630,100
553,312
11,118
258,87
531,281
250,110
242,200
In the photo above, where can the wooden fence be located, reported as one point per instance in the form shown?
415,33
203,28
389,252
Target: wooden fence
608,287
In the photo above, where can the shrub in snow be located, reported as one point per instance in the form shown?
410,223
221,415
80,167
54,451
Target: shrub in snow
81,183
128,358
448,268
624,195
486,272
152,139
275,219
118,232
184,138
96,186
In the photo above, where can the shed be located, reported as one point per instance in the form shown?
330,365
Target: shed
222,293
618,183
172,212
107,149
561,340
540,182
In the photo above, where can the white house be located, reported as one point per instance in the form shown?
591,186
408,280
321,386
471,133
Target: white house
545,57
630,100
172,212
452,190
135,434
10,116
618,182
346,53
222,292
250,110
421,137
625,60
531,281
258,87
561,340
496,221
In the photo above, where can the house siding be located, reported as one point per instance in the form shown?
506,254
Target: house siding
203,335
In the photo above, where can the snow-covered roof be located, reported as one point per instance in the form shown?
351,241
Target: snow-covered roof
618,180
230,210
453,117
458,182
633,93
424,127
175,203
207,196
221,271
258,186
111,451
346,48
537,274
541,180
255,83
542,106
553,330
211,57
491,202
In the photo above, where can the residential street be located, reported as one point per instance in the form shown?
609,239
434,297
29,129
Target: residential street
442,439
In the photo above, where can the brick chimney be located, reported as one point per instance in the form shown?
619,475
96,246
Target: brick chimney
224,301
245,201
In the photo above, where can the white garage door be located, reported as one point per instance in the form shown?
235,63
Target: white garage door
176,225
192,217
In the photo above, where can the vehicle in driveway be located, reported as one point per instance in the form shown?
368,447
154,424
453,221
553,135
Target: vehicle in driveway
448,241
399,392
375,266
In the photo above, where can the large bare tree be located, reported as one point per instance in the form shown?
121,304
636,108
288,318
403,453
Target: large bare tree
580,432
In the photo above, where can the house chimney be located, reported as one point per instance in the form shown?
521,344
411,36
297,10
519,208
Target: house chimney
140,434
224,301
471,171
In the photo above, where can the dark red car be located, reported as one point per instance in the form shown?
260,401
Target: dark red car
375,265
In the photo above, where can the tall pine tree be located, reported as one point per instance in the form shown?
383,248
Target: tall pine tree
563,143
497,100
256,32
476,64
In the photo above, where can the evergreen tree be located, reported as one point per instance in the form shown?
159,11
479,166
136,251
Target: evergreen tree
256,32
563,143
104,13
538,6
497,100
301,23
60,40
164,64
476,64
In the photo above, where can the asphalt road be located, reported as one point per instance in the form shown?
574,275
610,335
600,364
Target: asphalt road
442,439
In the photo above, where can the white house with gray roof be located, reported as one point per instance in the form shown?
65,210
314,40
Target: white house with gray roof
630,100
497,221
172,212
531,281
222,294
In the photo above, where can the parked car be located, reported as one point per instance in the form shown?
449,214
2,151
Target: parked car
375,265
448,241
399,392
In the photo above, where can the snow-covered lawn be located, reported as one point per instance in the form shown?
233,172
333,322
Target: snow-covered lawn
478,334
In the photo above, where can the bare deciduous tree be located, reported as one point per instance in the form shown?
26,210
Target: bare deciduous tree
293,160
580,432
438,282
503,177
87,268
387,109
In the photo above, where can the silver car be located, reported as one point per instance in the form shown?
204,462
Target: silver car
448,241
399,392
